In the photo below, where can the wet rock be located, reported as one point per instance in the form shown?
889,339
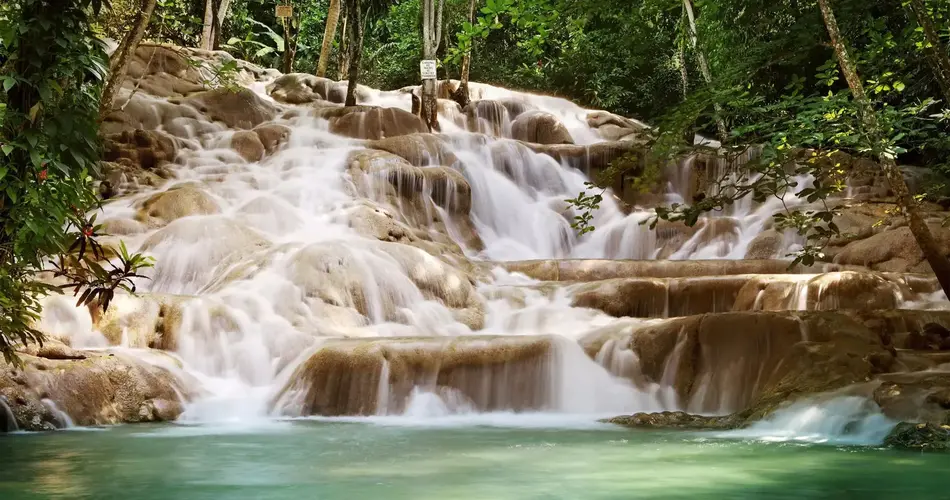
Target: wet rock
675,420
920,437
174,203
376,123
421,150
143,149
272,136
767,245
345,377
300,88
242,109
921,396
594,269
162,71
723,363
540,128
248,145
488,117
894,250
103,388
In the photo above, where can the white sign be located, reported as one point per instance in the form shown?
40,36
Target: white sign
428,69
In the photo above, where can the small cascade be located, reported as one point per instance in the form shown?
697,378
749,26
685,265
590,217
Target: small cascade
842,420
62,420
7,418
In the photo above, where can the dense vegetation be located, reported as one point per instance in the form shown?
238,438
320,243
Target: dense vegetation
869,78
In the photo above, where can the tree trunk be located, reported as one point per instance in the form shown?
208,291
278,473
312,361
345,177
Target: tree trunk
220,15
936,52
333,17
343,55
461,94
120,64
355,49
207,26
918,227
290,44
704,68
431,35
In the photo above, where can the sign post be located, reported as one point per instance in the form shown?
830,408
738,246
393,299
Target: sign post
428,69
285,11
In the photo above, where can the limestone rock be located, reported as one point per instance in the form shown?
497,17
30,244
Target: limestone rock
102,388
143,149
242,109
893,250
248,145
299,88
175,203
377,123
488,117
472,373
421,150
272,136
539,127
767,245
724,363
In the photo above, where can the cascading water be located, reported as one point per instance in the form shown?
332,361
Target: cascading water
260,261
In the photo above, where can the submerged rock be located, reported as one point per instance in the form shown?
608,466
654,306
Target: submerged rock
676,420
922,437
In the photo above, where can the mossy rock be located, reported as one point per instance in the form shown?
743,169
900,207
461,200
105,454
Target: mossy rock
923,437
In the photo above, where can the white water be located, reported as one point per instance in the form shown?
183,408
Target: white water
280,268
851,420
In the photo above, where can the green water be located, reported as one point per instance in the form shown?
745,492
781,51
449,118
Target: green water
348,461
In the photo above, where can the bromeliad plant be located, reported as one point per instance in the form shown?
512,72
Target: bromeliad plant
51,71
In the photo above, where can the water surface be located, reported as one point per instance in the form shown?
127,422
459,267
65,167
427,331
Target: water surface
491,459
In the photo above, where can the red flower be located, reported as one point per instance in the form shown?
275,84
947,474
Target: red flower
87,231
43,175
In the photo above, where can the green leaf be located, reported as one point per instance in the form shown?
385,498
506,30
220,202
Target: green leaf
8,83
6,148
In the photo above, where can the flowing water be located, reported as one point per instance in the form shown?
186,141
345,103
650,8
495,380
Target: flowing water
278,268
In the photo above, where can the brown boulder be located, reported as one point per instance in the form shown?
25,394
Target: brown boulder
248,144
767,245
144,149
539,127
300,88
242,109
100,389
893,250
375,123
272,136
175,203
421,150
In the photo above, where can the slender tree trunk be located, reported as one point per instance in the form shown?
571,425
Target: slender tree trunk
290,44
431,35
704,68
355,49
936,52
925,240
220,15
207,27
333,17
119,65
461,94
343,55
